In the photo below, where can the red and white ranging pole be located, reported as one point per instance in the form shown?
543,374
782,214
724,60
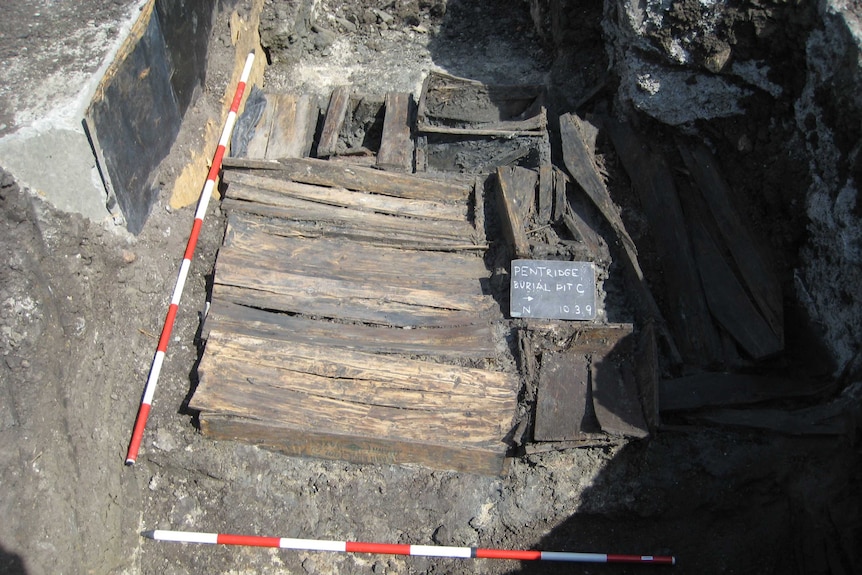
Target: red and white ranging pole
402,549
206,194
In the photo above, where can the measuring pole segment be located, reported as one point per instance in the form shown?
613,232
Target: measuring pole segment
182,276
402,549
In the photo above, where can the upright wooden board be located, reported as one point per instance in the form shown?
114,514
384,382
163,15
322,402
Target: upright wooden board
294,119
335,113
562,397
510,214
396,144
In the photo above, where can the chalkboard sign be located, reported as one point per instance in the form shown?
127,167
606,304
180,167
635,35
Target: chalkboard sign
553,289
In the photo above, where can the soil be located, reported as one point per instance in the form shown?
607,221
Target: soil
82,304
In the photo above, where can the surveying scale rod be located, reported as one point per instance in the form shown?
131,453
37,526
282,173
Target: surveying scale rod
401,549
206,194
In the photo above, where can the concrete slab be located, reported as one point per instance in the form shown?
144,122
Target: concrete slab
54,55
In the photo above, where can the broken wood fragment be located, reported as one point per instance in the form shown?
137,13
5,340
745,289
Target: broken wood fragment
396,144
545,207
335,114
510,190
615,393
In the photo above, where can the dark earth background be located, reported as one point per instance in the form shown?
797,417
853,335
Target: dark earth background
82,303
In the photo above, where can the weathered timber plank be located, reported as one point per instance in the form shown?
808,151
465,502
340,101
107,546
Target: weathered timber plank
705,390
335,113
256,148
561,404
728,300
396,144
242,272
582,231
372,311
474,341
341,259
293,124
264,202
647,374
578,159
560,200
273,223
334,174
651,178
350,199
357,376
755,270
819,420
513,224
616,397
546,194
314,443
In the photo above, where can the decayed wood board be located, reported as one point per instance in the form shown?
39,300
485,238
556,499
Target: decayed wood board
264,202
334,174
546,194
301,390
273,222
562,397
396,143
339,259
350,199
510,214
651,178
335,114
616,397
376,310
705,390
728,301
256,148
293,123
291,440
578,159
472,341
754,269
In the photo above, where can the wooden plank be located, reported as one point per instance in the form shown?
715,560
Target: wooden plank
728,301
256,148
349,199
616,397
335,114
583,232
471,342
277,222
373,311
826,419
647,374
333,258
311,389
513,224
579,161
711,389
546,194
396,144
264,202
237,270
651,178
755,271
562,396
333,174
293,124
561,181
314,443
